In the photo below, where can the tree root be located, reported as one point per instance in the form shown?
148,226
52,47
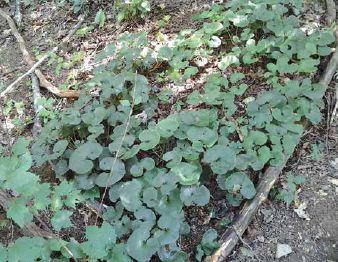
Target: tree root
28,59
234,233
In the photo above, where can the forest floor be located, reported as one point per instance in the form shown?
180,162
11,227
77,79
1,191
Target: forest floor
312,236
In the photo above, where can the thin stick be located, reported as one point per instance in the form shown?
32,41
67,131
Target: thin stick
232,234
37,108
43,81
119,147
331,12
18,15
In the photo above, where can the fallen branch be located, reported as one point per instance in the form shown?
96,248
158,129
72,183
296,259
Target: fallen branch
18,15
331,12
234,233
37,108
43,81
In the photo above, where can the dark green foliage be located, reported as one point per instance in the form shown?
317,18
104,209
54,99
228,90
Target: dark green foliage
153,168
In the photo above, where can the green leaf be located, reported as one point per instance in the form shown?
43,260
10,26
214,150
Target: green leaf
199,253
71,116
289,143
100,18
204,135
140,246
60,146
165,53
96,117
235,77
80,160
149,139
240,20
65,194
20,146
221,159
3,253
100,240
75,249
209,242
148,163
167,126
239,181
325,38
187,173
170,225
19,212
117,171
228,60
198,195
26,249
212,28
61,219
21,182
130,195
314,114
254,138
141,89
145,5
324,50
199,118
150,196
190,71
119,254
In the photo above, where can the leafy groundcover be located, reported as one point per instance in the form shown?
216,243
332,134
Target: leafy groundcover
251,65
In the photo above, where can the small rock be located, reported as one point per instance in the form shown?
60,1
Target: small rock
333,181
334,163
322,193
300,211
261,239
283,250
267,215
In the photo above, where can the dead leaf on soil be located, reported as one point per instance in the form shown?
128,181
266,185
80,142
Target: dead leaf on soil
334,163
300,211
333,181
283,250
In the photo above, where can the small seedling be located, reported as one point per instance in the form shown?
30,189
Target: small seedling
288,193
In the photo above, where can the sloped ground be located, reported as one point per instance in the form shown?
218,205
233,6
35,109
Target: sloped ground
314,239
311,240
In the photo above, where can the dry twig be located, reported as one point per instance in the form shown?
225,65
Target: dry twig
18,15
331,12
43,81
37,108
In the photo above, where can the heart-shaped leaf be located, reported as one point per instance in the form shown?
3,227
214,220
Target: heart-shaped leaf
149,139
80,160
221,159
187,173
198,195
